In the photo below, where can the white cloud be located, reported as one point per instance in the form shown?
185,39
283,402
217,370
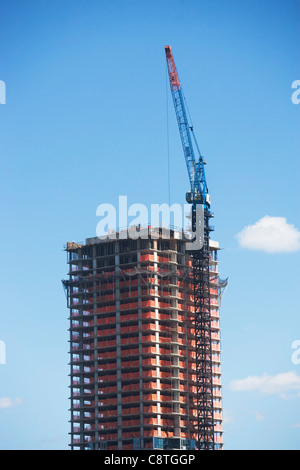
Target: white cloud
259,416
295,426
279,384
7,402
270,234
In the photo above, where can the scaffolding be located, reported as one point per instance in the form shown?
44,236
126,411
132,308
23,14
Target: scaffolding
203,339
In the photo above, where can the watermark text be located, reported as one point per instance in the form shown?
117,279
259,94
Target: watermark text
136,221
296,353
2,352
2,92
296,95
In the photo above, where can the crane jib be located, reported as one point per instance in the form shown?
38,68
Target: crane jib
185,134
195,168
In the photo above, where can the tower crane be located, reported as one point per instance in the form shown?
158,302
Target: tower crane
197,196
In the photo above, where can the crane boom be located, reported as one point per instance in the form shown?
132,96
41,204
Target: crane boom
198,194
199,191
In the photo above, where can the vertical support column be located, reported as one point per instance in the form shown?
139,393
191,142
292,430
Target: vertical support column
185,279
175,344
81,354
72,398
71,352
140,344
95,352
157,343
80,385
118,345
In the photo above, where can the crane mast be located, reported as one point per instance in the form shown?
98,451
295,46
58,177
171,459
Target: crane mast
198,195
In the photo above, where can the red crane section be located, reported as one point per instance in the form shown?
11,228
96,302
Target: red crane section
173,75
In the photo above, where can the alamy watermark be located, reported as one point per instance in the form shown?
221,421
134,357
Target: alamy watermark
2,352
2,92
296,95
136,222
296,353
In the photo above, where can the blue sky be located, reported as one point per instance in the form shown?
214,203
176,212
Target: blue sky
85,121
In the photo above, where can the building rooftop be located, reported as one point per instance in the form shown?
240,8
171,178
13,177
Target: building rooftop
135,232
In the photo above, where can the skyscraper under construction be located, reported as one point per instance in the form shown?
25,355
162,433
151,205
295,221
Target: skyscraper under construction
133,354
144,326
